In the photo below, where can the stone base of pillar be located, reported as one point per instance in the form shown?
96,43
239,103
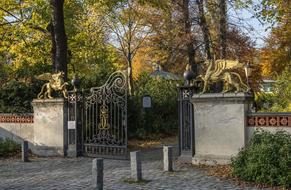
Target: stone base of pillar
185,157
210,160
220,126
50,127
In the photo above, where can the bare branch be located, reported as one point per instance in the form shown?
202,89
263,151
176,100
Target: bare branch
8,12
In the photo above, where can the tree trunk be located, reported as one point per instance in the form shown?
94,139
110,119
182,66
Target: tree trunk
60,39
222,28
129,50
50,28
205,29
189,45
130,77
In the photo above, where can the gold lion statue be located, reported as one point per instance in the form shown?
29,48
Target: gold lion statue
224,70
56,83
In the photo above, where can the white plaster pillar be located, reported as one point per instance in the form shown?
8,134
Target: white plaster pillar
50,127
220,126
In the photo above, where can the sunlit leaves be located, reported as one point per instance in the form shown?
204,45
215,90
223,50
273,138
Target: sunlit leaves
27,42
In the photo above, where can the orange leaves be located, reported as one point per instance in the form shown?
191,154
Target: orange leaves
276,55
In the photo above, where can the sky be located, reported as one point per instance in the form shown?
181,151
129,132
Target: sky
250,25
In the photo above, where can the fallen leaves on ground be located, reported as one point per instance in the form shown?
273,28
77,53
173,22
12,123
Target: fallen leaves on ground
147,144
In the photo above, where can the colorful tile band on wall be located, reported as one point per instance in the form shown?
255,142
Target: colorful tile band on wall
269,120
6,118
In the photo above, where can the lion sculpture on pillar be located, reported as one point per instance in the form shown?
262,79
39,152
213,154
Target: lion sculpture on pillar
56,83
224,70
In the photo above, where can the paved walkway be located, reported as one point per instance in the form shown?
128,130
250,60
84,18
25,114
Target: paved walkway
75,173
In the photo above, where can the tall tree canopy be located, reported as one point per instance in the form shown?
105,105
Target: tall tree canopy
103,35
27,40
276,54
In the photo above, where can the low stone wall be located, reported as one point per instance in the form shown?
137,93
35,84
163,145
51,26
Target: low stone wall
269,122
21,127
18,127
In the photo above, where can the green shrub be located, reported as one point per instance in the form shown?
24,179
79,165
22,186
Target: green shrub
162,118
266,159
264,101
16,96
8,147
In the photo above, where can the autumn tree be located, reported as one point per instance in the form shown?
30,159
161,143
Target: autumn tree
163,43
24,24
172,32
24,44
276,54
128,32
172,41
205,29
93,57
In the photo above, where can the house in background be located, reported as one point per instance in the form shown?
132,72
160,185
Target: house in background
158,72
267,86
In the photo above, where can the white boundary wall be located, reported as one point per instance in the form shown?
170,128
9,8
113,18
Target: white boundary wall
18,127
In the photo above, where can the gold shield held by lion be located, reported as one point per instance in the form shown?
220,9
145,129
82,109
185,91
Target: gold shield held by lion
55,83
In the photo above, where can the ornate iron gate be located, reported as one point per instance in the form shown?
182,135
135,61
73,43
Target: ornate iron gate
104,118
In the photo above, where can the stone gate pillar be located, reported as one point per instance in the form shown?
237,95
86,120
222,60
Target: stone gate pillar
50,127
220,126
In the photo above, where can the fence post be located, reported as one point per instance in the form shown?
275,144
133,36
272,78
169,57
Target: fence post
97,173
24,153
168,158
75,120
186,121
135,164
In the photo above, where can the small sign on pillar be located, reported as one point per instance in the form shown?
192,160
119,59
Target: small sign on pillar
146,101
71,124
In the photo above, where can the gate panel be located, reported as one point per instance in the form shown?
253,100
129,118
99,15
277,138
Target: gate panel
105,118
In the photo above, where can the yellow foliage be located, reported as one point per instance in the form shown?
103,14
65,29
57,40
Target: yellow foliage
142,62
276,55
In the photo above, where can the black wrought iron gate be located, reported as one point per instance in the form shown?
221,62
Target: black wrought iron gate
103,118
